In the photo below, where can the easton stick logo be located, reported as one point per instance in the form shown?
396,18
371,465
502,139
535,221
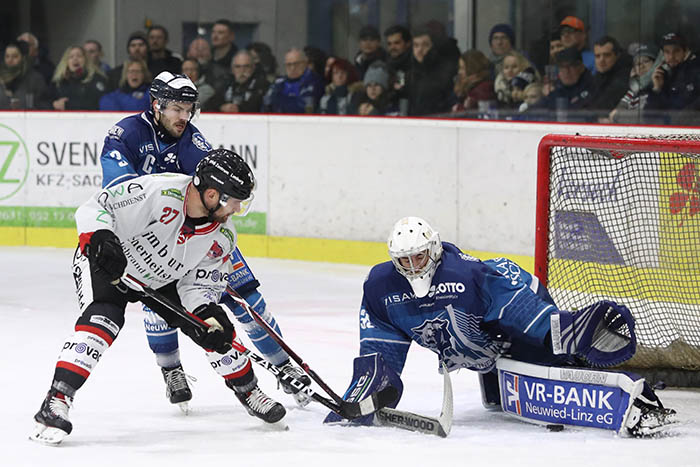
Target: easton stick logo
14,162
686,203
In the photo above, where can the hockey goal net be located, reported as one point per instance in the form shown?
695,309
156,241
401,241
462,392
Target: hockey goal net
619,218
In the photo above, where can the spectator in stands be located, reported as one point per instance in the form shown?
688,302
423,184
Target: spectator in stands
132,95
193,70
676,82
316,59
93,50
575,85
646,59
342,77
136,49
37,56
245,91
296,92
516,73
473,83
77,83
612,74
431,80
370,49
373,98
200,50
501,41
21,87
555,46
398,45
215,75
222,42
159,57
264,59
573,34
532,96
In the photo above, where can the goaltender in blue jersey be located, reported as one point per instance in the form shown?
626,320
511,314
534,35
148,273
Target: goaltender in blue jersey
471,313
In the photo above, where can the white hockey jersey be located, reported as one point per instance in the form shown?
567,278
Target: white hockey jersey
148,215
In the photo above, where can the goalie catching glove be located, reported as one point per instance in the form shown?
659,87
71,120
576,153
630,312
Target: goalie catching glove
602,334
104,252
219,336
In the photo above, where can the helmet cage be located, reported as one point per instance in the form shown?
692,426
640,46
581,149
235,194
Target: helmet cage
245,203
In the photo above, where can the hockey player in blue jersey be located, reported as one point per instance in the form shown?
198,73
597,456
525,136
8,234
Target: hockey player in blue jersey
471,313
163,139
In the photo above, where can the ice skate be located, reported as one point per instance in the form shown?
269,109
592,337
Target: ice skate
52,423
647,420
301,399
176,388
258,404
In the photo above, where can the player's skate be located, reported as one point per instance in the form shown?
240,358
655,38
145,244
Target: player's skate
301,399
258,404
647,420
52,424
176,388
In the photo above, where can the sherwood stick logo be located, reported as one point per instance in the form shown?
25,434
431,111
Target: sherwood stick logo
14,162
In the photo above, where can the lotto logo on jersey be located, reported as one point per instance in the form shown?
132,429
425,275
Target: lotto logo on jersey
510,394
446,287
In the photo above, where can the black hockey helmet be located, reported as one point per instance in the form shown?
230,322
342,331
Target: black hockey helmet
174,87
226,172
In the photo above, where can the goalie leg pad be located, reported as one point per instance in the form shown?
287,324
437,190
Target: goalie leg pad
596,333
370,374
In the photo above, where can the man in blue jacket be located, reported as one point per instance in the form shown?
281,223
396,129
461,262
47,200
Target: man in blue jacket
299,91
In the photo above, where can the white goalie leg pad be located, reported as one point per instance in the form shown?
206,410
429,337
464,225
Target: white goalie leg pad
567,396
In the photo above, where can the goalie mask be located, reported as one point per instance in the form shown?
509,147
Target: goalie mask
415,250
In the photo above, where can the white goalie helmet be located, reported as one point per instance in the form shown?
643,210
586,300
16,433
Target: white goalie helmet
415,249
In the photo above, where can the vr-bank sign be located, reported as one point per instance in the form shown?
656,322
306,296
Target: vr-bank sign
14,162
560,402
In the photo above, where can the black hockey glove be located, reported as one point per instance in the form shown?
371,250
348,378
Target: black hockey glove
220,334
106,255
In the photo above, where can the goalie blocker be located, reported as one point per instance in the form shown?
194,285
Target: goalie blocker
617,401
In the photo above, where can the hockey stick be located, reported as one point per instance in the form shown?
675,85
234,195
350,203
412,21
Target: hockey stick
345,409
371,404
440,426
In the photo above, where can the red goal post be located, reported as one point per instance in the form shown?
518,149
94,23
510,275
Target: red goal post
619,218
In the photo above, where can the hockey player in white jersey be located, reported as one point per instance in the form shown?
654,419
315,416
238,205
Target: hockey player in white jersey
173,233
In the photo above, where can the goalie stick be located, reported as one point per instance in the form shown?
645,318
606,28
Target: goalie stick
366,406
440,426
349,410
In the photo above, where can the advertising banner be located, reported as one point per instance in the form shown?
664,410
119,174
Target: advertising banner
50,163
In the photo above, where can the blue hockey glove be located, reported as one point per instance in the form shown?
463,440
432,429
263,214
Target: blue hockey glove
602,334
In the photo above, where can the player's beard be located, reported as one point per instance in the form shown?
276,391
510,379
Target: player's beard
172,127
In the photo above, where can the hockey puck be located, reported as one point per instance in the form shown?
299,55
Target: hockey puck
555,427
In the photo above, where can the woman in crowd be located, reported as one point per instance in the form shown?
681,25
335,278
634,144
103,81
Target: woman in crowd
77,84
646,59
132,94
264,59
20,86
511,81
473,83
342,77
374,99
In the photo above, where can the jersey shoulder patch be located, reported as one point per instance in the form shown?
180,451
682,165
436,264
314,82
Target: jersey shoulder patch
200,142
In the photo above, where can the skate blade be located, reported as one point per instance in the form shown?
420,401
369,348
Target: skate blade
184,407
302,400
47,435
279,425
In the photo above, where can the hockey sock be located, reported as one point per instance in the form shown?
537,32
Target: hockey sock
261,340
231,366
168,360
94,332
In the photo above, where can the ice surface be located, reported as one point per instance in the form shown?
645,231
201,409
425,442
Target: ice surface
121,416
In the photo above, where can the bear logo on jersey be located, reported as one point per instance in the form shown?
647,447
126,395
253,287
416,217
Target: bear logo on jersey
435,335
201,143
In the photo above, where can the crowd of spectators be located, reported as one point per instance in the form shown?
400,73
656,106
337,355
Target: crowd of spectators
417,73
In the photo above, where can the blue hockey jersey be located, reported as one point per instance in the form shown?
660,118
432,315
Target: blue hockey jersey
132,149
471,315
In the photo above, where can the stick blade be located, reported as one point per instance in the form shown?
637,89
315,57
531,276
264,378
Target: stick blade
369,405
